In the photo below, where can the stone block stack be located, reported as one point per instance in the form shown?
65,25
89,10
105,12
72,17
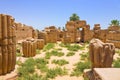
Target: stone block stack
29,48
7,44
40,43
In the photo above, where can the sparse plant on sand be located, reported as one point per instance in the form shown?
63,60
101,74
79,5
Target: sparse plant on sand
52,73
26,68
70,53
116,63
49,46
53,53
80,66
41,64
60,62
37,51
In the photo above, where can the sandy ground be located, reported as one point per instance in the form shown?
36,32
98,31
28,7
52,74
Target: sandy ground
72,60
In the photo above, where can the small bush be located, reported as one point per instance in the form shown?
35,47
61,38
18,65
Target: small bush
116,63
53,53
62,45
84,56
37,51
49,46
70,54
52,73
118,52
18,54
27,67
72,47
19,62
59,49
41,64
60,62
80,66
56,53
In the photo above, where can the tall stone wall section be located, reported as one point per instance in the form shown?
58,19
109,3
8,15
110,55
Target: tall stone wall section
52,34
23,31
114,37
7,44
43,35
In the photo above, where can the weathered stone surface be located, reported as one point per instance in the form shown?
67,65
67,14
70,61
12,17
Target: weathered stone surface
107,73
101,54
7,44
23,31
29,48
40,43
102,74
73,28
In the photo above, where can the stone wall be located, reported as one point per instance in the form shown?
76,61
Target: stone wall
23,31
52,34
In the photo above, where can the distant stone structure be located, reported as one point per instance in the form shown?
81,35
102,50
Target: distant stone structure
101,54
73,30
23,31
7,44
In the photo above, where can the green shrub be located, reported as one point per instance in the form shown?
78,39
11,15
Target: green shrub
26,68
80,66
118,52
116,63
62,45
60,62
74,47
41,64
52,73
59,49
70,54
18,54
47,55
37,51
49,46
84,56
56,53
53,53
19,62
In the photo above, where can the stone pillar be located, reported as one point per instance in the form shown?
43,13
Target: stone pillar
101,54
29,48
40,43
7,44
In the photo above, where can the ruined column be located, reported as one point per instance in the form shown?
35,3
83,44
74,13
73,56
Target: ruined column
40,43
101,54
29,48
7,49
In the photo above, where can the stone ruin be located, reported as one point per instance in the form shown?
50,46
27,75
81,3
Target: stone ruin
101,56
40,43
50,34
23,31
7,44
29,46
110,35
74,32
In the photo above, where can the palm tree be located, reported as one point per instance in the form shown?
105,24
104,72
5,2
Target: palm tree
115,22
74,17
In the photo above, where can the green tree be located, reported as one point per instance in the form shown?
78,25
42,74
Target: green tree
63,28
74,17
115,22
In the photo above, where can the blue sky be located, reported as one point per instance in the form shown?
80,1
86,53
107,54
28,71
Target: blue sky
43,13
